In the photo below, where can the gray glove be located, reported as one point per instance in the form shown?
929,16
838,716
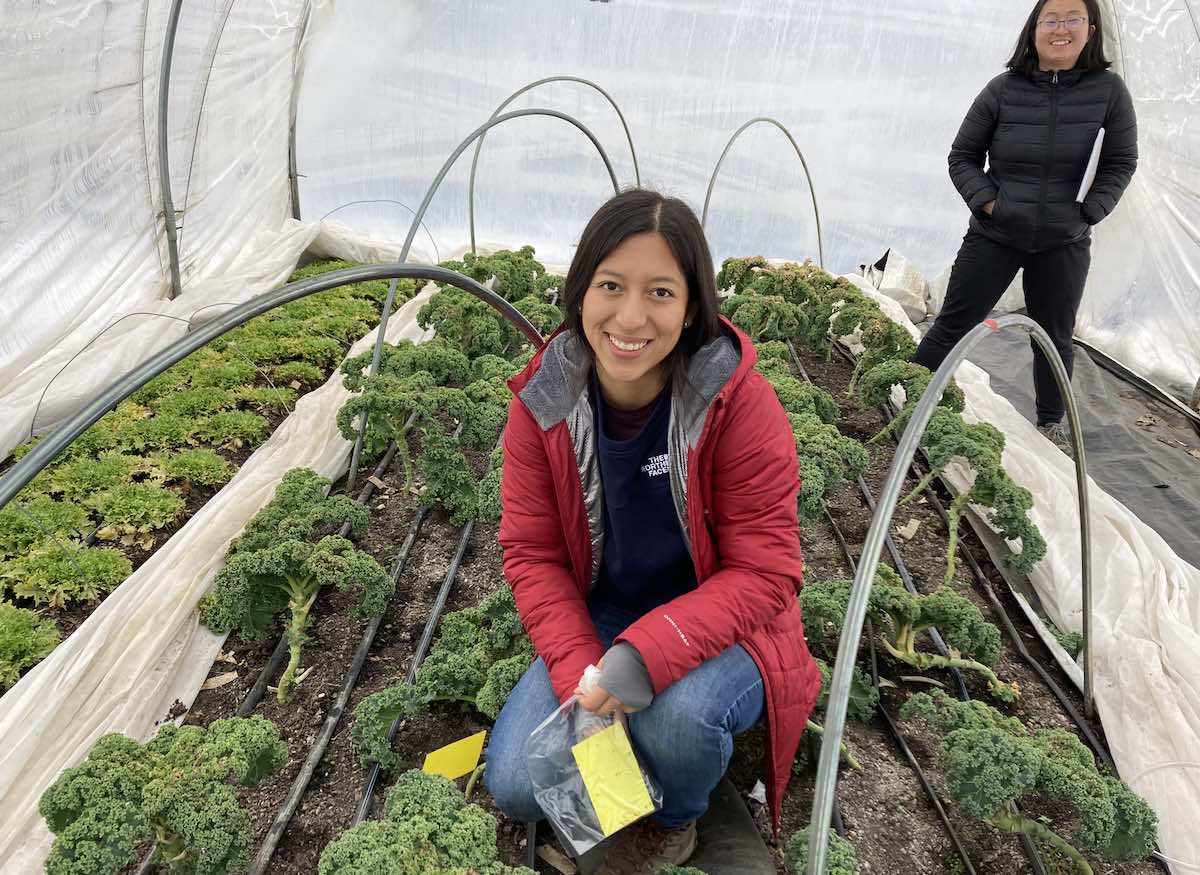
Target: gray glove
624,675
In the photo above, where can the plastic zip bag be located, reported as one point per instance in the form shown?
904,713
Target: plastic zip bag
586,777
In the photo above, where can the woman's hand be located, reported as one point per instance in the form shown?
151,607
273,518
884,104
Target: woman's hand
600,701
987,208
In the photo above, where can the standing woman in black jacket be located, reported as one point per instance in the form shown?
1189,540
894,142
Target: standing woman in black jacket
1036,125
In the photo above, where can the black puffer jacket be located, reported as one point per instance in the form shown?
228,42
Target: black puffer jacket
1037,134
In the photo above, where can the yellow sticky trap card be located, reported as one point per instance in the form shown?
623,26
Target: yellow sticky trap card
613,778
457,759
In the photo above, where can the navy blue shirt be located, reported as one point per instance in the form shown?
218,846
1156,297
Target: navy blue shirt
646,562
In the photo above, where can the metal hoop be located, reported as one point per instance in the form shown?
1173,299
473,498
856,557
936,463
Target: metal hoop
713,179
479,144
420,215
856,611
20,474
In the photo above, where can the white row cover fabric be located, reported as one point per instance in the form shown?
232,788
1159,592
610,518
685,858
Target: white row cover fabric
1146,614
143,648
874,97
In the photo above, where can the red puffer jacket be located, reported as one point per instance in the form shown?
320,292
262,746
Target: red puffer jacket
734,477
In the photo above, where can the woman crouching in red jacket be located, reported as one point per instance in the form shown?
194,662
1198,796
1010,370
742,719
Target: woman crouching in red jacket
649,527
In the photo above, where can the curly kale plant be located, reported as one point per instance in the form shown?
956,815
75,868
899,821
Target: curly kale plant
764,317
513,274
174,790
446,476
882,339
826,459
428,829
875,390
480,655
60,573
25,640
840,859
415,381
991,761
441,360
980,447
900,617
544,315
489,488
804,399
737,273
274,567
469,324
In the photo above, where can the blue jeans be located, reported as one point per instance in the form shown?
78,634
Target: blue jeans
684,739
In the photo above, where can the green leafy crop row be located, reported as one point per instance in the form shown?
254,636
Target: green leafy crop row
428,828
125,480
176,790
478,658
802,302
278,565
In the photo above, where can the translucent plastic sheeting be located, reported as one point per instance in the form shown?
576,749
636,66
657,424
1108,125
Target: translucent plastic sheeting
873,94
81,233
143,648
1146,615
1142,303
70,372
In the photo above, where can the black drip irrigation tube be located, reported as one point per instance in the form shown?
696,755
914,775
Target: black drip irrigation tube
255,694
439,604
1027,846
893,730
984,584
284,815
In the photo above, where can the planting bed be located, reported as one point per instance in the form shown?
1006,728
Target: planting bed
102,508
451,562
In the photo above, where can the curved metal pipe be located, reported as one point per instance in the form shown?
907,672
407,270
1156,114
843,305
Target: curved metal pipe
164,161
712,180
356,452
479,144
20,474
294,107
201,93
387,200
835,713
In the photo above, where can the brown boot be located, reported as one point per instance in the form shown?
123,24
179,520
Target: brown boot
644,847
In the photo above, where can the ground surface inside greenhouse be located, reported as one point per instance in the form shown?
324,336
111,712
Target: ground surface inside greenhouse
1140,450
886,813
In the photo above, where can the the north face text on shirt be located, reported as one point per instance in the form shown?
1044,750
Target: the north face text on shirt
655,466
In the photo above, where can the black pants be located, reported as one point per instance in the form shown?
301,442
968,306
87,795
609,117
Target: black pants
1053,283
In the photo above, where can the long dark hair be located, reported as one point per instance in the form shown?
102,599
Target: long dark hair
1025,56
638,211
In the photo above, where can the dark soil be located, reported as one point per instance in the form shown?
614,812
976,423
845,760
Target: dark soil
887,814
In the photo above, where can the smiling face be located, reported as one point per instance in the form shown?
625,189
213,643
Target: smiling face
1059,48
633,314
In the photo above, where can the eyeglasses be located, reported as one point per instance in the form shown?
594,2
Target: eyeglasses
1051,24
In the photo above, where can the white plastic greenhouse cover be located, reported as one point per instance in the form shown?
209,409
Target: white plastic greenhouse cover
872,92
